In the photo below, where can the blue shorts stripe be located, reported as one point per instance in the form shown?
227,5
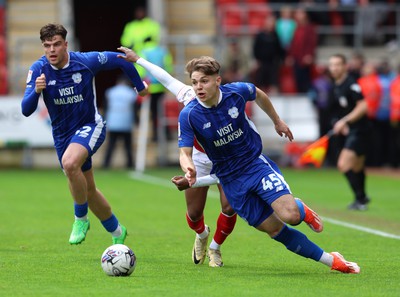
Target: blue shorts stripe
91,136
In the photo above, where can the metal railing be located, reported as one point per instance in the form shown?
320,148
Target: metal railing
181,43
362,17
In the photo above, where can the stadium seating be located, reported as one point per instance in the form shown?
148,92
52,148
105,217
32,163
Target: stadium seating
255,1
3,49
242,17
232,18
256,16
2,20
287,81
3,80
223,2
171,113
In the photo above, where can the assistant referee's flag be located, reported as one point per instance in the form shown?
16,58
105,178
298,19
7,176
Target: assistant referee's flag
315,153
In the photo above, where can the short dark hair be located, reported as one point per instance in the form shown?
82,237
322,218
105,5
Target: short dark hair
205,64
341,57
47,32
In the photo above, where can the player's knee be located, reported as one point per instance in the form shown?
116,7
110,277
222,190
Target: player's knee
227,210
70,166
195,214
291,215
294,218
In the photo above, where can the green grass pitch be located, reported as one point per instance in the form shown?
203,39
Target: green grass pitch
37,215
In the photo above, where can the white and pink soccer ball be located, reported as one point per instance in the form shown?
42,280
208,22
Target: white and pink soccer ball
118,260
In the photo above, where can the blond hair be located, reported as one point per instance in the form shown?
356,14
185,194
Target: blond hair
204,64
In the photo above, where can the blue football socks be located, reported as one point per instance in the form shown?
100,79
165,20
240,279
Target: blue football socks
298,243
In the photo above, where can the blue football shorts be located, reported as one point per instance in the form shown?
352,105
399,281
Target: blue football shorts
91,136
252,193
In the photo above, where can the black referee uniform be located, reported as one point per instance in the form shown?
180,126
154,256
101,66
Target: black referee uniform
342,100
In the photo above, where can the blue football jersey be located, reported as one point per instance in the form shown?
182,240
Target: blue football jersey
70,94
227,135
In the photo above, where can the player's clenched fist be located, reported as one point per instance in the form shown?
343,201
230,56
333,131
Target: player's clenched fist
40,83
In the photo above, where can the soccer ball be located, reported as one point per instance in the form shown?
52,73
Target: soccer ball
118,260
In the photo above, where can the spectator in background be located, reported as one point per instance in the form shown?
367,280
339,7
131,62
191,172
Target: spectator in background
356,65
285,26
302,51
141,27
160,56
346,10
318,16
371,14
395,117
235,64
119,107
382,124
319,95
371,88
372,92
268,53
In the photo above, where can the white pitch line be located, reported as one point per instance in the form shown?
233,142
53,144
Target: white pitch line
361,228
167,183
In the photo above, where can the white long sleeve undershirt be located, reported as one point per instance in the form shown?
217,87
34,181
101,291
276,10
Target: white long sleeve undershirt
172,84
206,180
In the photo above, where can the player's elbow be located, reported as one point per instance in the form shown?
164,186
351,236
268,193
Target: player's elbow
26,109
26,112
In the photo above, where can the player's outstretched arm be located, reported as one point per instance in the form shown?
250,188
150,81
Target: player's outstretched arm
167,80
182,183
265,104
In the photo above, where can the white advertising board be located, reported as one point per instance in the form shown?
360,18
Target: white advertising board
35,130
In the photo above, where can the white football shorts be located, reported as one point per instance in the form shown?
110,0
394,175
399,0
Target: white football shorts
202,163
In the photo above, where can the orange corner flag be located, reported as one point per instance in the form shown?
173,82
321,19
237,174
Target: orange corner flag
315,153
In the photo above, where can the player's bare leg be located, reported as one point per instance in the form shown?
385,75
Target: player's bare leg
96,200
85,195
99,205
72,161
298,243
195,203
293,211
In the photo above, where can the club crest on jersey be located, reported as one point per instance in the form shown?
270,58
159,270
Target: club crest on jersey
77,77
233,112
102,58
